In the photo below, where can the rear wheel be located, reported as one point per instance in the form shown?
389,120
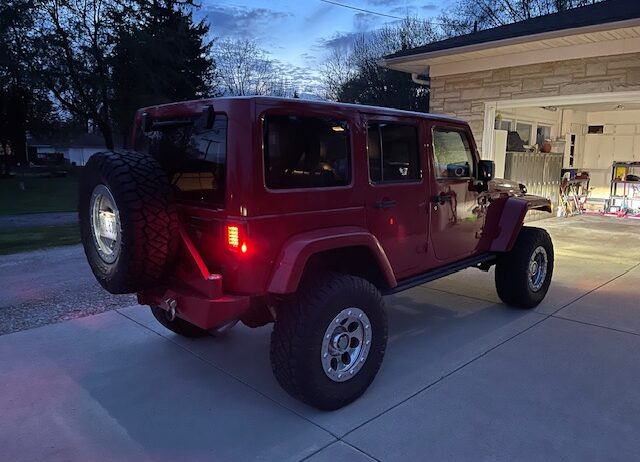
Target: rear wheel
523,275
328,341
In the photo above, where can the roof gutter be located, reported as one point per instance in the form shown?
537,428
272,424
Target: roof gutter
388,62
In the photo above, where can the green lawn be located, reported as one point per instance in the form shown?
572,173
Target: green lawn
24,239
38,195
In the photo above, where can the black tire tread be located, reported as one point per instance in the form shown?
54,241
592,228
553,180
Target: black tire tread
289,338
148,215
512,269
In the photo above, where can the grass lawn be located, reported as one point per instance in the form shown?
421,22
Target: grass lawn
32,238
38,195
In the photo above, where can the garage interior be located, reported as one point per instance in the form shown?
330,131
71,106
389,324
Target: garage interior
585,156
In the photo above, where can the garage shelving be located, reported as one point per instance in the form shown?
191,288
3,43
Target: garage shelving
624,197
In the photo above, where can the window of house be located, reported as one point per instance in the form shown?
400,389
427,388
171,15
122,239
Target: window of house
524,130
502,124
393,152
452,154
543,132
595,129
306,152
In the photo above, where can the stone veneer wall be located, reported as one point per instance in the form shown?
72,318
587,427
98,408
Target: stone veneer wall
464,95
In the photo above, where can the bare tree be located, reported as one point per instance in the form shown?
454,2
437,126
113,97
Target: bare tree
466,15
243,68
71,47
354,75
336,70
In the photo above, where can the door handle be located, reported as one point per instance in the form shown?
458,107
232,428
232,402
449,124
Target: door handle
385,204
441,198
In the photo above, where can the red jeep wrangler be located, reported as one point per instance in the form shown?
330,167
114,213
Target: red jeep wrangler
304,214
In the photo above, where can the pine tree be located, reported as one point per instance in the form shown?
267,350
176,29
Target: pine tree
162,57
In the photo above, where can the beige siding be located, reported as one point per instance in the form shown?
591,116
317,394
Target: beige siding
464,95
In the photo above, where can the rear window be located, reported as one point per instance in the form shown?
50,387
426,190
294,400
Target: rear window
196,158
306,152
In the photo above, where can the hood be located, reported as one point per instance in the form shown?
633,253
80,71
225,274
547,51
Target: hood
500,185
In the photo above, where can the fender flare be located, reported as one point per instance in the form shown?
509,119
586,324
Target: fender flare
290,264
512,220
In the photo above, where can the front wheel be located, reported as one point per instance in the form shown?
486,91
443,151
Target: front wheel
328,342
523,275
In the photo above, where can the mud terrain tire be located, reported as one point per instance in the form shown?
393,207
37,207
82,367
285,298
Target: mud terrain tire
516,281
142,222
298,339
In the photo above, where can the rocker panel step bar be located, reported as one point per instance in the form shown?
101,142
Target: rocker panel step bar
441,272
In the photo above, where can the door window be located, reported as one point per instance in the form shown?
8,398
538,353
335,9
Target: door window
393,152
452,152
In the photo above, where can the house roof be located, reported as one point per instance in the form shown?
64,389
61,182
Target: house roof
606,12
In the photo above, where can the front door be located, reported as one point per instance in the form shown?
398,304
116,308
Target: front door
397,198
456,217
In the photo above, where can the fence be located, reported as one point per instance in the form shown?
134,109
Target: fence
539,171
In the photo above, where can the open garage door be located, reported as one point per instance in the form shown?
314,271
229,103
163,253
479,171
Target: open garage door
593,140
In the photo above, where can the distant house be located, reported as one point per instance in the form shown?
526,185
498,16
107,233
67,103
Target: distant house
74,149
572,77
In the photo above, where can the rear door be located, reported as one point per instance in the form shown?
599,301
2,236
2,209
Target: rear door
397,196
456,216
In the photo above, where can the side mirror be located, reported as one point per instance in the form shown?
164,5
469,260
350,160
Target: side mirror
486,169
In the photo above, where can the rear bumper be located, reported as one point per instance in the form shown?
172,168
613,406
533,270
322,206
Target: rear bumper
206,309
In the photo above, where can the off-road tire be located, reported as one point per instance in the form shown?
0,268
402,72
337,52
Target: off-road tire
512,269
178,325
148,220
296,340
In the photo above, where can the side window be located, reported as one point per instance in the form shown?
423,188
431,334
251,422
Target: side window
452,152
306,152
393,152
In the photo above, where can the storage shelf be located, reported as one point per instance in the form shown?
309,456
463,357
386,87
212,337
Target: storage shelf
622,193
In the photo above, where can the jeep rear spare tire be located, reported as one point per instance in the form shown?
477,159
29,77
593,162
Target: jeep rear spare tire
329,340
128,221
523,275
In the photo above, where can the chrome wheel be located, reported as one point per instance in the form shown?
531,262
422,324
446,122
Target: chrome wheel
105,224
538,264
346,344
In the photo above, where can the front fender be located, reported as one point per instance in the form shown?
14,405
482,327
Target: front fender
298,249
514,209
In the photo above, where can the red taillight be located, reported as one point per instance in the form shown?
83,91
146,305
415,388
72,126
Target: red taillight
236,238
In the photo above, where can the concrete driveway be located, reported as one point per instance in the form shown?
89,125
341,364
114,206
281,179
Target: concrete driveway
465,378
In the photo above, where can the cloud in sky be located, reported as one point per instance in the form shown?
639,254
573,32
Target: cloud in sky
240,21
301,33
